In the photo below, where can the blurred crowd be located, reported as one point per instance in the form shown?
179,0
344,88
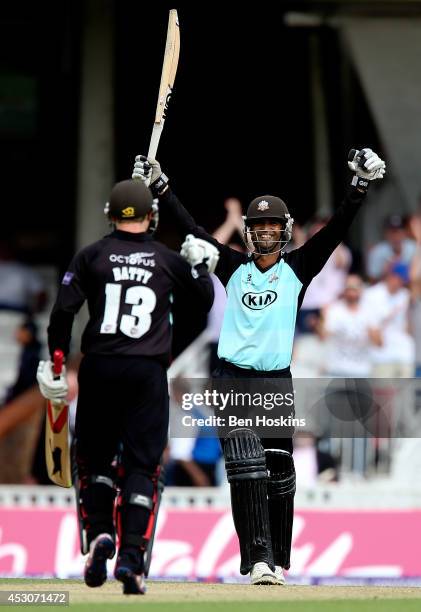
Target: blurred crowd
367,317
360,318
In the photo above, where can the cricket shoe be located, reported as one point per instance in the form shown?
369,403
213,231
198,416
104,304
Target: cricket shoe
100,550
279,573
262,574
133,584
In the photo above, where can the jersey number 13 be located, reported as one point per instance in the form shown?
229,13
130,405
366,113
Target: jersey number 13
139,321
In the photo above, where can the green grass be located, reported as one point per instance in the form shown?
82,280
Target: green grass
193,597
352,605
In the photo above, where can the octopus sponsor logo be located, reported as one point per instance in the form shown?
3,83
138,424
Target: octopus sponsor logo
135,259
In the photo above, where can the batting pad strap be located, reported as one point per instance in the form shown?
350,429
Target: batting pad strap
137,499
281,472
244,456
99,479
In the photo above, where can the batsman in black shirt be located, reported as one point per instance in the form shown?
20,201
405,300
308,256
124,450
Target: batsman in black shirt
127,279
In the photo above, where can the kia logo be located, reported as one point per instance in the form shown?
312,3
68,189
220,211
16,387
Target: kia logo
258,301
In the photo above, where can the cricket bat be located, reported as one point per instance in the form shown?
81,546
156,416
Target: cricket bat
57,451
169,69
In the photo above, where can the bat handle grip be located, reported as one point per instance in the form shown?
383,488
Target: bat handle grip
58,359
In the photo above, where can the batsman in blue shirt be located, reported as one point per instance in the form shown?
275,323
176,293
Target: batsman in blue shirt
265,289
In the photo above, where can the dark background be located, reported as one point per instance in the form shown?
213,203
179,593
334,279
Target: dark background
239,123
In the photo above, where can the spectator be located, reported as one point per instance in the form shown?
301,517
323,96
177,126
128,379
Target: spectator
389,300
22,411
327,286
298,237
415,278
21,289
26,336
350,329
233,221
312,464
395,248
193,461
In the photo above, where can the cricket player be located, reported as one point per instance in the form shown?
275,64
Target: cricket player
127,279
265,289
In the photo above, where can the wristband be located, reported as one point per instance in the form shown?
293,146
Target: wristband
160,185
360,183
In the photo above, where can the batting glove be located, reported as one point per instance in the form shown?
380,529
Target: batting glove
367,166
52,388
149,171
197,251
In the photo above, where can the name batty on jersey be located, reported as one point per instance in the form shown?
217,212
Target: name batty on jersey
131,273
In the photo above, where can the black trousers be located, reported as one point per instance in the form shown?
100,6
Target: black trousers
263,525
122,409
229,372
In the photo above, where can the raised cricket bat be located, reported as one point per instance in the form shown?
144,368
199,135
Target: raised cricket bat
169,69
57,451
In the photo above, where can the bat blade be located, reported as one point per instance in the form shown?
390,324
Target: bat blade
57,450
169,70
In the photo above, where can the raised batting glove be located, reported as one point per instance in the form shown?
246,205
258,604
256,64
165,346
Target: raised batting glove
149,171
196,251
367,166
51,389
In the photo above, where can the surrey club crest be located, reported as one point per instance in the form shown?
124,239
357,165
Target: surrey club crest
263,205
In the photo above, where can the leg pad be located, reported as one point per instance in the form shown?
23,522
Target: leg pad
246,471
281,491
